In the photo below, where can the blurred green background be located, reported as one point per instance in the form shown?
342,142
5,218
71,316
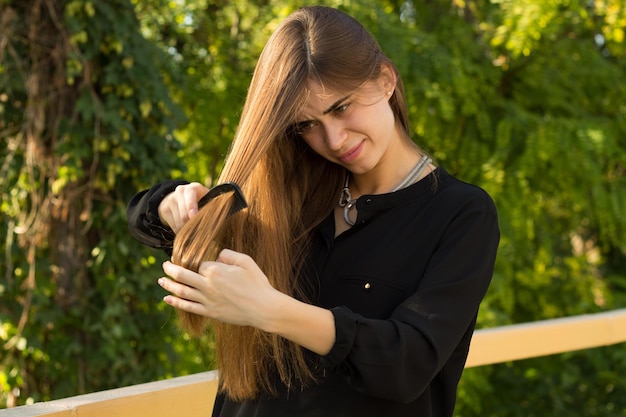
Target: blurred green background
102,98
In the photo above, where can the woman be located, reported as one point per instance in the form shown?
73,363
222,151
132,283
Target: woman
350,284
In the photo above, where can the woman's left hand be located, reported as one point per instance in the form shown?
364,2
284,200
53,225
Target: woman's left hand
232,289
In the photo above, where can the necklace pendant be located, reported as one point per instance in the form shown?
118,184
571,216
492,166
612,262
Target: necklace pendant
346,213
346,201
345,198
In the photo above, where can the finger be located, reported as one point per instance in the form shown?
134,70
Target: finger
179,207
231,257
165,212
179,290
192,194
190,200
185,305
212,269
183,275
169,210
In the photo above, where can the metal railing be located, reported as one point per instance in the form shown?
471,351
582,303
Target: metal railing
193,395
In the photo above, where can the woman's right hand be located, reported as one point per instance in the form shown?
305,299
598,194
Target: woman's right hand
181,204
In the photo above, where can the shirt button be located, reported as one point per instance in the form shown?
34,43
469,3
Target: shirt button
367,286
368,201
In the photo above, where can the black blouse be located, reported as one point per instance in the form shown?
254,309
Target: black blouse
404,285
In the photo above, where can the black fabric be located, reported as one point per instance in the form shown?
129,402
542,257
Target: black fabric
404,285
142,213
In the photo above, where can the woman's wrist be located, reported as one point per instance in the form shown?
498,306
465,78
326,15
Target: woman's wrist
310,326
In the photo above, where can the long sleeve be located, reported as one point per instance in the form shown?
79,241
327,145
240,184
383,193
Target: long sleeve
143,216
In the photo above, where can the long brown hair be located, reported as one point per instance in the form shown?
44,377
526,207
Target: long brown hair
289,188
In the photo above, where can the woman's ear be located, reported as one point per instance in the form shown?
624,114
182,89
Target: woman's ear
387,79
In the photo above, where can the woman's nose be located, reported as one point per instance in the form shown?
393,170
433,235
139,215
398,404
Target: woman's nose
335,134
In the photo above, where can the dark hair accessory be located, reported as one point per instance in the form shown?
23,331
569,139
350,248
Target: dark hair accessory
240,202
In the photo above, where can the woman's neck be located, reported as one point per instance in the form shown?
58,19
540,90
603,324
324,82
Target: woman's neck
390,173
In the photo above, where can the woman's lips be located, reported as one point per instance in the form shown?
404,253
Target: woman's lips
351,155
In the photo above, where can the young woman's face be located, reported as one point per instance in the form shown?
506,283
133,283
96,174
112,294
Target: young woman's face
356,130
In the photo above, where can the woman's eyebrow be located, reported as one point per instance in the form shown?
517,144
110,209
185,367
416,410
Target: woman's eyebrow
336,104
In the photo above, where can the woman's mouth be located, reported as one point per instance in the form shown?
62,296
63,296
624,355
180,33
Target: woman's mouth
351,155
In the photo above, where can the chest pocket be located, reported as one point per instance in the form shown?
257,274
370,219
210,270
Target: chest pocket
369,296
373,269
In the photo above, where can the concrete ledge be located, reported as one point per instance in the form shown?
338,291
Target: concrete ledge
187,396
546,337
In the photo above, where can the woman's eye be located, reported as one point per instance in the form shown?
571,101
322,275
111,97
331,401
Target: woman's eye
302,128
341,109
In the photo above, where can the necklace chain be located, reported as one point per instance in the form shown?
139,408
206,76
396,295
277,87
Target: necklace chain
345,198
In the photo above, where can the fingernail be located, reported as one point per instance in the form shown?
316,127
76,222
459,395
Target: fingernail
192,212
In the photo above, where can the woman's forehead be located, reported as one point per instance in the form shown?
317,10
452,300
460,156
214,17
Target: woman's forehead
315,90
319,97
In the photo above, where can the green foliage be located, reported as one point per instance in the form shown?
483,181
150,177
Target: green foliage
80,307
525,98
214,47
526,102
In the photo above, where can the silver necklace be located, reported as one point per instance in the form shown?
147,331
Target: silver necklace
345,198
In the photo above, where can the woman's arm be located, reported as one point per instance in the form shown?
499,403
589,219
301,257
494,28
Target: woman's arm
234,290
254,302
